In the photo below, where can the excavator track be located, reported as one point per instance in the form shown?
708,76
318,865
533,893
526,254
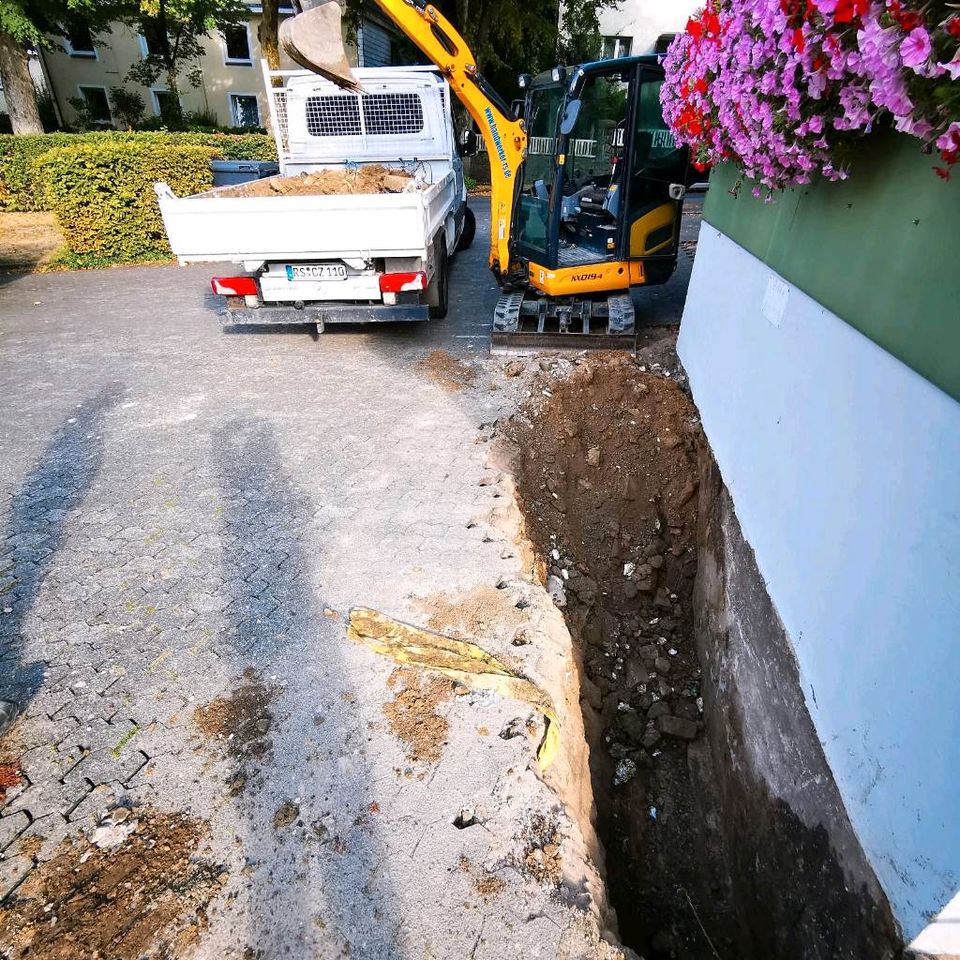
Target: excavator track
524,323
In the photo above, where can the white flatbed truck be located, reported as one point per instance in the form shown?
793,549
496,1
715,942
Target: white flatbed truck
348,258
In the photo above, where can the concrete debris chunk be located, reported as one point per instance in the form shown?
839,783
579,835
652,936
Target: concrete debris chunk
678,727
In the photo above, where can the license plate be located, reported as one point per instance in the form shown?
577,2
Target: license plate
316,271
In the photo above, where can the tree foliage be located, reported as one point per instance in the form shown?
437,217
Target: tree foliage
33,22
174,30
509,38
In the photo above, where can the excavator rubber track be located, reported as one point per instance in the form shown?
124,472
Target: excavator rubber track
524,323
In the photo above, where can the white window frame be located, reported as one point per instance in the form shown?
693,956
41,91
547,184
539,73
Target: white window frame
227,61
233,115
96,86
91,54
155,101
619,42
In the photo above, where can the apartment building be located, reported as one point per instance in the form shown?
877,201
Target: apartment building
231,81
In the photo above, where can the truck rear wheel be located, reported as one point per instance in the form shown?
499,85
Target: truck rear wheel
438,296
469,229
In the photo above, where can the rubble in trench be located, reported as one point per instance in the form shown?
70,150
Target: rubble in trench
607,479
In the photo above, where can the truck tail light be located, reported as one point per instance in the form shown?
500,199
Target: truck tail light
234,286
403,282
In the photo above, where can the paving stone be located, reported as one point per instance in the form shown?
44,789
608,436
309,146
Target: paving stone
12,874
11,827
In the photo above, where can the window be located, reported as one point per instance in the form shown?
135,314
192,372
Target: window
663,42
244,110
236,46
150,44
162,102
615,47
80,42
97,103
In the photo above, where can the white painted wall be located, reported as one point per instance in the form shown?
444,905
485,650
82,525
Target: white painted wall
844,467
645,20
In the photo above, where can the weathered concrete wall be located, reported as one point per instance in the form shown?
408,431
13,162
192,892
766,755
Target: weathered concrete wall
803,887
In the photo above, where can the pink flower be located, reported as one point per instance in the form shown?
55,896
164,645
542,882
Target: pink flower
953,67
916,49
916,127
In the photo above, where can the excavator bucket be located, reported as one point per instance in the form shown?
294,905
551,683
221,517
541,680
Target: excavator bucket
314,39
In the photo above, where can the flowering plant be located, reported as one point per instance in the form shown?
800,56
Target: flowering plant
781,86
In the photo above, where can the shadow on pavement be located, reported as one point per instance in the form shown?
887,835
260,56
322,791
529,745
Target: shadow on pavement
36,528
273,617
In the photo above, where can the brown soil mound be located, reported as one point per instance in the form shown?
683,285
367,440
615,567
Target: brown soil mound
147,898
241,719
10,776
607,482
412,714
446,370
368,179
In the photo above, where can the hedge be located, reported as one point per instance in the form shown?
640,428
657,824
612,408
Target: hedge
20,191
103,197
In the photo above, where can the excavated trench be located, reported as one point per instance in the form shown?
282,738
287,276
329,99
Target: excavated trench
701,862
607,478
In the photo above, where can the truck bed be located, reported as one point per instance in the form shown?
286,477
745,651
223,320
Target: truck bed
208,227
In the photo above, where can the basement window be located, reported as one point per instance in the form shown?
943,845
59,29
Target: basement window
97,103
79,42
244,110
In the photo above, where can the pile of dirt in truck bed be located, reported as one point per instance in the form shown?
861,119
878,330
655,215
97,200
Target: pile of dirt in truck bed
369,179
607,481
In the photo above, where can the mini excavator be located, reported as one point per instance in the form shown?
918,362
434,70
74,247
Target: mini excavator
587,182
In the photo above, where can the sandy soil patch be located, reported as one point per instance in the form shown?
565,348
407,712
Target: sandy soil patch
28,240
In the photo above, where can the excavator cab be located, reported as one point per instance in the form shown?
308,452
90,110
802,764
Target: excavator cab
598,205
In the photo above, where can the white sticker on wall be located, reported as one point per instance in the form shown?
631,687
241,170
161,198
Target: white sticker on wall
775,300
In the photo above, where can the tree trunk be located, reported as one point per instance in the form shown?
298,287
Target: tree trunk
267,33
18,86
174,116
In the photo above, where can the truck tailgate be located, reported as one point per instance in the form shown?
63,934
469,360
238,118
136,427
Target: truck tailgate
208,227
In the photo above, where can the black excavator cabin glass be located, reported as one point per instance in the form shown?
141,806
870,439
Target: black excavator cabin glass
539,171
653,217
595,158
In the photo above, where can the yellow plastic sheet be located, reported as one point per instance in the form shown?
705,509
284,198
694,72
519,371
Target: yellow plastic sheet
458,659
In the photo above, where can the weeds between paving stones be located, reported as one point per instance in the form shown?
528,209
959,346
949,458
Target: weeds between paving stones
607,483
146,897
446,370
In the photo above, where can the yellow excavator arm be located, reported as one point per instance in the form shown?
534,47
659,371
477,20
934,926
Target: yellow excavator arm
504,136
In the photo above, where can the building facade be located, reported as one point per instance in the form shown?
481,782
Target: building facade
822,342
231,80
633,27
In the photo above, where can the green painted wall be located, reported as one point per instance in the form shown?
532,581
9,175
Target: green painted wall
881,250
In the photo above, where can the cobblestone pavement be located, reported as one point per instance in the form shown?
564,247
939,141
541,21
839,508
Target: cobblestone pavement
187,513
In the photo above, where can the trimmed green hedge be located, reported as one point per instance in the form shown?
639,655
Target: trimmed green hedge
20,191
103,197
